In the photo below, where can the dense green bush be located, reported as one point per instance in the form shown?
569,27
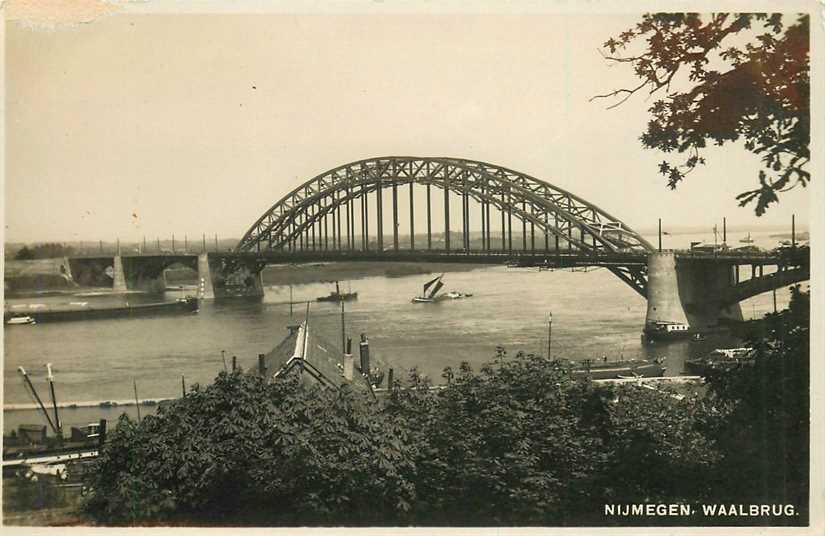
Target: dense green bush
240,449
761,415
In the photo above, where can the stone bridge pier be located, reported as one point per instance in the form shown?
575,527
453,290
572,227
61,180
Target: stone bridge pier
229,276
699,293
687,293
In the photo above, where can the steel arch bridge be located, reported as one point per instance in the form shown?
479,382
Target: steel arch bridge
320,215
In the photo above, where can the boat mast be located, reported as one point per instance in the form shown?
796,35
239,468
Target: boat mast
54,400
37,397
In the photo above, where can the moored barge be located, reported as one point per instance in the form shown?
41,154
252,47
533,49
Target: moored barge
611,370
84,311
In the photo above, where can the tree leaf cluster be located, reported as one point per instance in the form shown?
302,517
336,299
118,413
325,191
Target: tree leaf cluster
724,77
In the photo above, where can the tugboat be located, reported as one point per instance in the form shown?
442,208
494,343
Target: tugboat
338,296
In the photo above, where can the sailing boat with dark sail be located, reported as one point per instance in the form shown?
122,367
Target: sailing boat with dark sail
431,289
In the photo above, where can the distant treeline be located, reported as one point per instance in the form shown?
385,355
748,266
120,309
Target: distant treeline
48,250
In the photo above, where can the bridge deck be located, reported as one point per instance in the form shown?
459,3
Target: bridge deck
525,258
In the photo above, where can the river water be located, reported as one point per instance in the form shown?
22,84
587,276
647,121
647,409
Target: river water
594,315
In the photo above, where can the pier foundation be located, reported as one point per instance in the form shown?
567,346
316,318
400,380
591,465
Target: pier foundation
205,291
118,275
230,276
681,292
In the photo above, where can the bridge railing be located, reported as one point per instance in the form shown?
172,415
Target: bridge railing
799,253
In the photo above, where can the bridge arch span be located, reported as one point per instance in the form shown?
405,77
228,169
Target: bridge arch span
496,190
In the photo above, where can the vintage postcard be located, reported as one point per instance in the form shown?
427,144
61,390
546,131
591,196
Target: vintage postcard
431,266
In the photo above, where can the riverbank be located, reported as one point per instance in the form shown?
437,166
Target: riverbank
43,276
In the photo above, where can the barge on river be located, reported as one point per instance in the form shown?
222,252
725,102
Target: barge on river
611,370
37,313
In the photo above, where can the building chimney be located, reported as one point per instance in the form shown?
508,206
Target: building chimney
349,362
365,354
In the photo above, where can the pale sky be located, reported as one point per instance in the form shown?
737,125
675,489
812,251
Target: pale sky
148,125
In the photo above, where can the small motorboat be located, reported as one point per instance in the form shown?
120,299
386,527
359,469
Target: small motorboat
21,321
455,295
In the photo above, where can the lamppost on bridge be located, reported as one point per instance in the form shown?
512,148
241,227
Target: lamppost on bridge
660,235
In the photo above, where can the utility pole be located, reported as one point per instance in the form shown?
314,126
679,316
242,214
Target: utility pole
724,231
137,403
549,335
343,328
660,235
793,230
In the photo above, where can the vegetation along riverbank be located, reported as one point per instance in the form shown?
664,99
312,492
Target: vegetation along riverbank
517,442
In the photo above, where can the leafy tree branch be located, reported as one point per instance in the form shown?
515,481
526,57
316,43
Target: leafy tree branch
746,78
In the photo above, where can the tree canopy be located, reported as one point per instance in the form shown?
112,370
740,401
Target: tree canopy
722,78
